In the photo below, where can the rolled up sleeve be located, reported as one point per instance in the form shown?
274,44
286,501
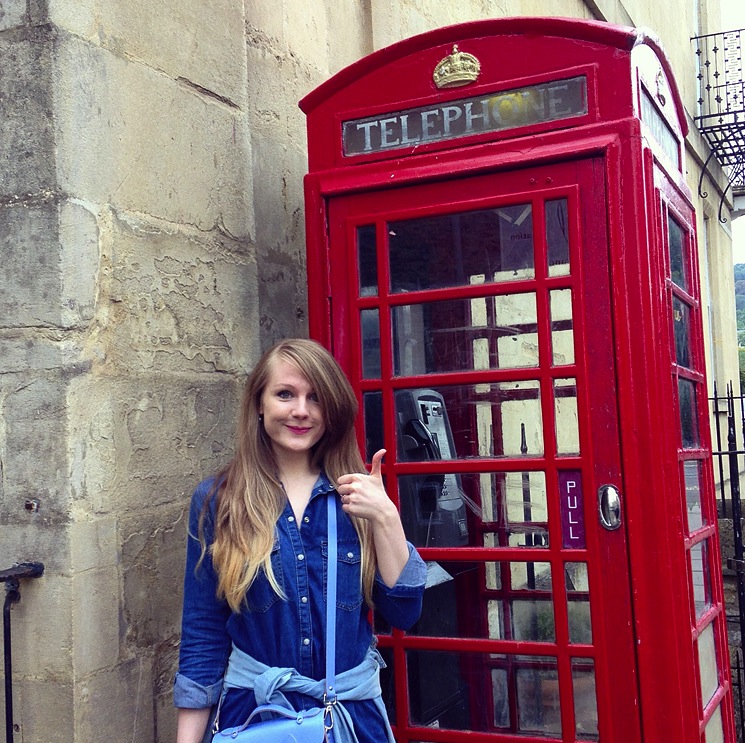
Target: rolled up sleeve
401,604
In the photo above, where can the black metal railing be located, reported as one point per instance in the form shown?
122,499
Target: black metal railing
721,103
12,578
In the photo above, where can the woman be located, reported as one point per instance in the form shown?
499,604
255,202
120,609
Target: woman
255,568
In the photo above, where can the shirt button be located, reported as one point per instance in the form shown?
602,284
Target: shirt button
304,600
350,555
306,641
291,519
301,557
306,519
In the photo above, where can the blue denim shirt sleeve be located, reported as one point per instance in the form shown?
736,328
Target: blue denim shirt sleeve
401,604
205,642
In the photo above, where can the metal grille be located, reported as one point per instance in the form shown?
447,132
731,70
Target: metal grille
721,106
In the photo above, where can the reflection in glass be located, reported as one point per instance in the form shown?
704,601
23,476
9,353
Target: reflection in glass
388,682
578,603
707,664
368,261
465,334
585,699
676,239
700,577
524,696
538,697
567,421
451,249
692,484
372,403
465,421
688,413
557,237
682,332
370,334
715,728
562,327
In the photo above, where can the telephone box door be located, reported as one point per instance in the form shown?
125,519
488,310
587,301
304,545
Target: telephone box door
474,318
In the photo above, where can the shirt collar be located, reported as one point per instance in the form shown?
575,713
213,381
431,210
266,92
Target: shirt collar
323,485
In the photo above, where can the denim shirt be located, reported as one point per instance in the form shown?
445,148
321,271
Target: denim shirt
286,632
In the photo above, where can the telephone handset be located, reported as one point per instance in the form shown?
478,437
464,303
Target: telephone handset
432,504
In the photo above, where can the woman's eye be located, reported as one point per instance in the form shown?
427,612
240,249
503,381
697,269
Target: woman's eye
284,394
313,397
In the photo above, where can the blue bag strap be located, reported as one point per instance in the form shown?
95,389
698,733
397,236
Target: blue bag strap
331,603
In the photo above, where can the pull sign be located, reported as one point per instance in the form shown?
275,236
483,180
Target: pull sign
609,507
572,509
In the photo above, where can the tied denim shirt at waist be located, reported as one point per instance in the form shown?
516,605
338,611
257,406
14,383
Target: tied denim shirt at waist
268,684
287,632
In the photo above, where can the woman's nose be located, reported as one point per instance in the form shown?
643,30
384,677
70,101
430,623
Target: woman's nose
301,407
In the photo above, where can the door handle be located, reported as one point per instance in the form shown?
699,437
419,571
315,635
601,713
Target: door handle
609,507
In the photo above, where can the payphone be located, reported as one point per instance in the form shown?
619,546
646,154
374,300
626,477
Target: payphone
481,202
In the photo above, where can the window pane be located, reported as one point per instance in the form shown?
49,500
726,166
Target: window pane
368,261
567,422
715,728
700,577
464,421
372,403
688,413
480,692
585,699
465,334
682,332
676,238
370,334
557,237
708,666
562,327
578,603
455,249
692,484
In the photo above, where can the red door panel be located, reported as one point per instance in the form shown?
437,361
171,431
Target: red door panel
474,318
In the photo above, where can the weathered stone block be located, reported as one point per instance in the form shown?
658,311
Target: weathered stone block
12,14
131,137
115,704
139,447
96,615
153,553
175,300
44,711
26,129
35,542
33,434
94,544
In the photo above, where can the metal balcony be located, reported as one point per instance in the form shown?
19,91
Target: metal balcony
721,105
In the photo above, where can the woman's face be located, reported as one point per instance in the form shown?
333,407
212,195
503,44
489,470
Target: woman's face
293,418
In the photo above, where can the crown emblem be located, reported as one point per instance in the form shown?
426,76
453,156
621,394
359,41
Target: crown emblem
458,68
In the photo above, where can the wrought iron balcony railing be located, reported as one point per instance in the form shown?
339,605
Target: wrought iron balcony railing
721,104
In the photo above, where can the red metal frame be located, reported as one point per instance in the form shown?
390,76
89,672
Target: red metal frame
644,623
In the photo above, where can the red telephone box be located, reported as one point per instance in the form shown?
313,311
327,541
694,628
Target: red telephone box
502,256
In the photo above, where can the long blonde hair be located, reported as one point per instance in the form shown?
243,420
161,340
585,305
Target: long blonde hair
249,494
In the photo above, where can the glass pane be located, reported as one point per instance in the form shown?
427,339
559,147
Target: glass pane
562,327
370,334
692,482
450,690
465,334
464,421
578,603
461,249
715,728
676,238
567,422
557,237
538,697
585,699
368,260
688,413
372,403
682,332
516,601
388,684
449,509
707,665
700,577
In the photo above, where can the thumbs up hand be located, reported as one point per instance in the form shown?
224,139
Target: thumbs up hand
364,496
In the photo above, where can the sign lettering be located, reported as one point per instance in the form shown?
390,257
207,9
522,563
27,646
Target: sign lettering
572,509
552,101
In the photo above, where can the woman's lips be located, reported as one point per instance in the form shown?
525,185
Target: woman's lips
297,430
